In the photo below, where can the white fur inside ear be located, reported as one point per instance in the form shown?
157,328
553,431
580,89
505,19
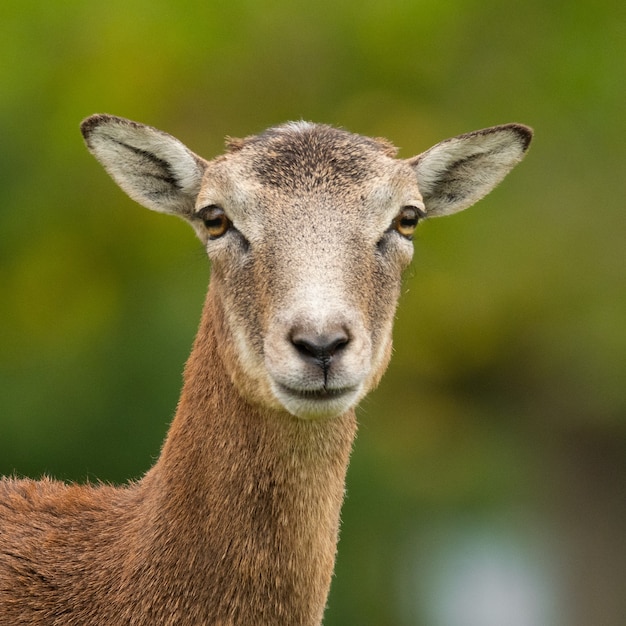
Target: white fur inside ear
152,167
456,173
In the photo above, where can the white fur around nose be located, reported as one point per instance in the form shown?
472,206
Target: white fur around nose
317,311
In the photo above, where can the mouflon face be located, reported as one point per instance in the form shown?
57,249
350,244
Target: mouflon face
308,229
311,261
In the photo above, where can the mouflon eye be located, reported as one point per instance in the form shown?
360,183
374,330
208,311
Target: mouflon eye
215,221
406,221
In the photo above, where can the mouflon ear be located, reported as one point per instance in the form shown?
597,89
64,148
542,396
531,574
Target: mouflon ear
152,167
456,173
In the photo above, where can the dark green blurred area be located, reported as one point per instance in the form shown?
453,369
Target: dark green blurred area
490,469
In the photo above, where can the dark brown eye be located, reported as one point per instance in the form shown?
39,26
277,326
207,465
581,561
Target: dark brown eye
406,221
215,221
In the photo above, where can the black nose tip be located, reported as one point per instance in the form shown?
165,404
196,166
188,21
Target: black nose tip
320,348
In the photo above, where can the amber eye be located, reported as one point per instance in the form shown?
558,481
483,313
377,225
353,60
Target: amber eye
406,221
215,221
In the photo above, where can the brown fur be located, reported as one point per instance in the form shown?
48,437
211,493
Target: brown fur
259,491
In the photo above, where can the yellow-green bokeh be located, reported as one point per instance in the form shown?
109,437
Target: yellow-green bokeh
505,405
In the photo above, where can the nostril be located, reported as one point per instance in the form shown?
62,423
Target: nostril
320,347
337,343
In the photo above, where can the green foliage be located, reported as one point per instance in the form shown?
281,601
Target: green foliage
511,335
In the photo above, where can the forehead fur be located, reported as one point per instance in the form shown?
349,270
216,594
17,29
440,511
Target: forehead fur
302,153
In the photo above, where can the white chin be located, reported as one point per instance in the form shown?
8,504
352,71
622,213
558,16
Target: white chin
316,405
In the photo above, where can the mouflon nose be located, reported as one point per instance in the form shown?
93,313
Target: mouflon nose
320,348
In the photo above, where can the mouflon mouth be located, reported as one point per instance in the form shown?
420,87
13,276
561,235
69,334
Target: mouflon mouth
317,403
320,394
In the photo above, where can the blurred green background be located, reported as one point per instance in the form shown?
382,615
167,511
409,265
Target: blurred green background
488,481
